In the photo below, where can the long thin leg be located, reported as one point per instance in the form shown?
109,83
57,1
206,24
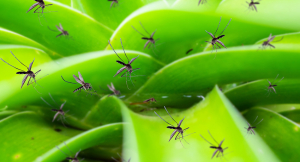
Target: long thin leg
163,119
124,50
225,27
218,27
170,114
213,138
138,31
18,60
115,51
144,28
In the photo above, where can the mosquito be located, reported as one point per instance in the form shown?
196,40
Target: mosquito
150,100
273,85
250,128
28,73
114,3
126,66
219,150
58,111
216,40
85,86
268,42
42,6
113,89
150,39
63,32
201,2
73,159
120,158
177,128
252,5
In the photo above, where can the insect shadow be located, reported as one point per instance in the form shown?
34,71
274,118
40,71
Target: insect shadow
114,3
144,102
42,6
272,85
126,67
267,43
59,112
177,129
63,32
252,5
27,73
86,86
73,159
215,39
202,2
150,39
120,158
250,129
219,149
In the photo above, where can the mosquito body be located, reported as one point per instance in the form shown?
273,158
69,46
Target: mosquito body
27,73
73,159
177,129
215,39
219,150
127,66
252,4
268,42
149,39
201,2
114,3
113,89
85,86
273,85
41,5
63,32
250,129
150,100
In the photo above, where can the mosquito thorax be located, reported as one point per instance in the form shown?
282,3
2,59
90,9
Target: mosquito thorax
65,33
87,86
31,74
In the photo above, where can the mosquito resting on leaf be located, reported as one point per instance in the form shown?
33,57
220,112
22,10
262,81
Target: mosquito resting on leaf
149,39
63,32
144,102
86,86
42,6
250,129
58,111
272,85
73,159
215,39
113,89
114,3
177,128
252,4
126,67
27,73
268,42
219,149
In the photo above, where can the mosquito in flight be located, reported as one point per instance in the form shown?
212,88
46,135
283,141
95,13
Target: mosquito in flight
28,73
150,39
201,2
250,128
127,66
114,3
273,85
268,42
252,5
63,32
219,150
73,159
177,128
58,111
85,86
216,40
42,6
113,89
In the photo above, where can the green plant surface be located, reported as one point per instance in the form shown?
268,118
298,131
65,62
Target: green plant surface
107,136
278,132
4,114
82,28
215,114
172,79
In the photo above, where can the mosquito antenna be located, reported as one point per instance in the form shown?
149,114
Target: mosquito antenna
212,137
218,27
47,102
163,119
67,81
225,27
278,40
124,50
206,140
115,51
259,122
169,114
11,65
61,150
275,78
144,28
137,31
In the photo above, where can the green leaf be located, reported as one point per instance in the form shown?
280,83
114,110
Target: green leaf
215,114
280,133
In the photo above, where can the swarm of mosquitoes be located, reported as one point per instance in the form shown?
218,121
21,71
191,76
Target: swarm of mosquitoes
178,131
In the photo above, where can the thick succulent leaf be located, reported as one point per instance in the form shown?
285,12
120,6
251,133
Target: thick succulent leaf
20,146
107,136
178,90
280,133
82,28
215,114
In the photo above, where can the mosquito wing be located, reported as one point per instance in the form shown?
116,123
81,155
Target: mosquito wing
131,61
153,34
221,43
221,143
214,153
180,122
146,44
80,76
255,7
34,5
119,71
210,34
252,131
172,135
269,37
77,154
273,89
29,68
78,80
59,28
24,80
110,88
272,38
55,116
62,105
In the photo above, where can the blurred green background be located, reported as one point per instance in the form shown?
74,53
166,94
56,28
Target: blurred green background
233,81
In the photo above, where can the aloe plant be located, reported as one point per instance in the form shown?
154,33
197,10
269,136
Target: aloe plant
233,83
